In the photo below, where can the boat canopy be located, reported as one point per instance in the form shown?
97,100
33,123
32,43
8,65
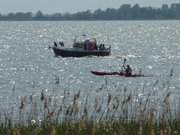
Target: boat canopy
87,44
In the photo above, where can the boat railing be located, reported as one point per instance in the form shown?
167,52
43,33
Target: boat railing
102,47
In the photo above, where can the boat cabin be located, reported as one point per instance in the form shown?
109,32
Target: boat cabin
88,44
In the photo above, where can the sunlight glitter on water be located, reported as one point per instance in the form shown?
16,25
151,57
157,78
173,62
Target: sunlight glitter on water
149,46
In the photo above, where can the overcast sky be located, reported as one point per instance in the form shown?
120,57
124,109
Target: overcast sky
62,6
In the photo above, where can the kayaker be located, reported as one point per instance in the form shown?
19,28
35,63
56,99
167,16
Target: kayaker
128,70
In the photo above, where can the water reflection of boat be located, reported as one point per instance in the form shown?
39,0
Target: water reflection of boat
81,48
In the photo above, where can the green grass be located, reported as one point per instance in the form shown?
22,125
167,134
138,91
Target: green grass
93,128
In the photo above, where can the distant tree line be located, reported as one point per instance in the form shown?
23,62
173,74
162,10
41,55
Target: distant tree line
125,12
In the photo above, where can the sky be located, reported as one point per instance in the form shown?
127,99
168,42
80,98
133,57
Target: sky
72,6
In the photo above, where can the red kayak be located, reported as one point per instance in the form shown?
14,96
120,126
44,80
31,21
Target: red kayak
116,73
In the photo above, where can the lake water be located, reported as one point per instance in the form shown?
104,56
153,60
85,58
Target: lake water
27,66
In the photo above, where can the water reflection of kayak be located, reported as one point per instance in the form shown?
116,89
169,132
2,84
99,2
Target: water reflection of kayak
117,74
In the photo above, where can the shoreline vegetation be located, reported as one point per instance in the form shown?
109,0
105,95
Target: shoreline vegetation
143,110
125,12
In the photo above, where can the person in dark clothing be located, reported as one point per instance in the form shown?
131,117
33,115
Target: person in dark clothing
128,70
61,43
55,44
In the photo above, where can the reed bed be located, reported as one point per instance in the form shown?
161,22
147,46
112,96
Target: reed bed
143,110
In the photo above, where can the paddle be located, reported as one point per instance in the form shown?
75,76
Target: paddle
124,61
123,66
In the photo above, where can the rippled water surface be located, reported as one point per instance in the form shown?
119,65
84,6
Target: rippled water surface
27,65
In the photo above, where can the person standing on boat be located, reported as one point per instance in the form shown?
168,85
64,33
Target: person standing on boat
61,43
55,44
